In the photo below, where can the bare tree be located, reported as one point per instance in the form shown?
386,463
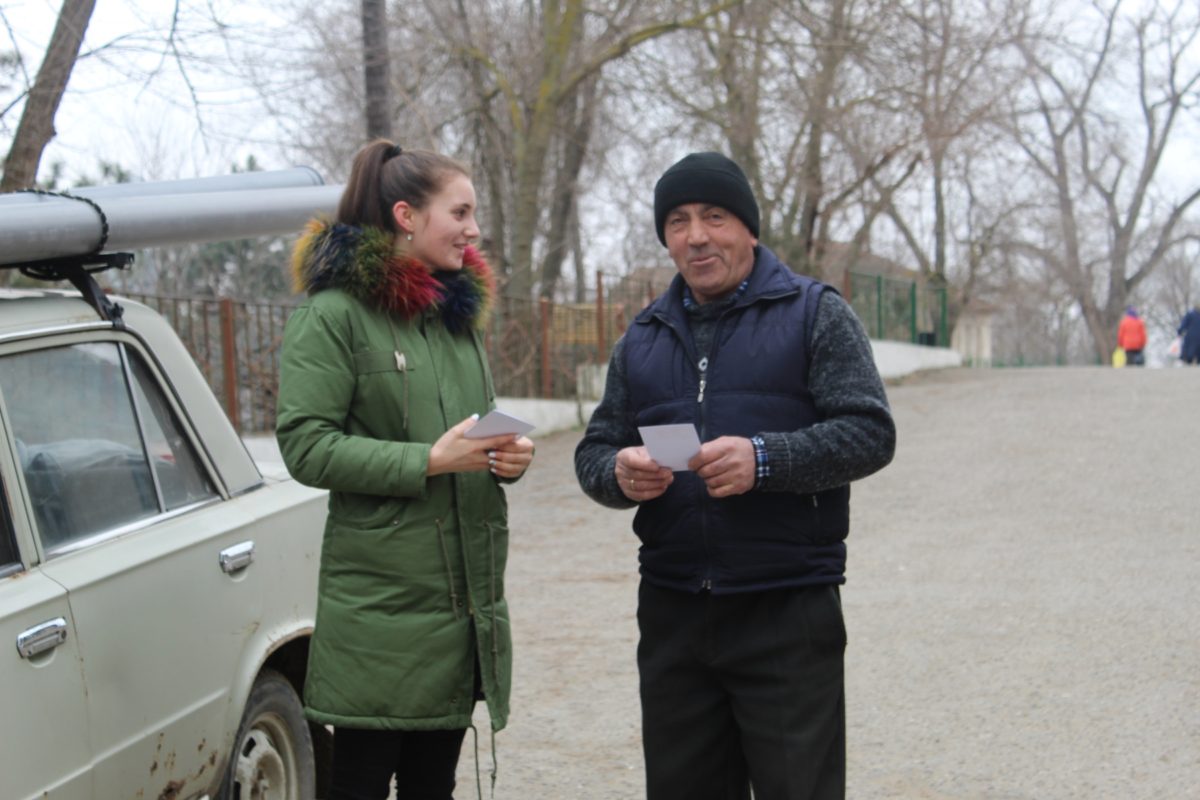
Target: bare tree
1116,222
376,69
1174,288
575,136
791,92
36,128
954,77
567,44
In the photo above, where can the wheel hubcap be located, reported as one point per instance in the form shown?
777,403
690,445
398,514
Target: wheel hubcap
265,766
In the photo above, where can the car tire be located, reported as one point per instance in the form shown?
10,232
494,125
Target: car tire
273,752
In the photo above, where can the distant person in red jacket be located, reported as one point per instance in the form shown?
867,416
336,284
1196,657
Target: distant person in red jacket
1131,337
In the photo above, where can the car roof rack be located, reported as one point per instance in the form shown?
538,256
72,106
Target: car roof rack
79,270
55,236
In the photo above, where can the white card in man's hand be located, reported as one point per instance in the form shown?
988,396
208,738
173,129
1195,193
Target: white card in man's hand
671,446
497,423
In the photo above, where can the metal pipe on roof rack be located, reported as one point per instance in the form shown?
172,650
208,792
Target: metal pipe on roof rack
295,177
30,232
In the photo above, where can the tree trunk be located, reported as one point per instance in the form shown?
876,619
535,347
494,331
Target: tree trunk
833,50
489,144
566,187
566,58
36,128
377,88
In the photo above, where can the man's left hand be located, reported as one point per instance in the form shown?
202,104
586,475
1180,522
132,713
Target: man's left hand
726,465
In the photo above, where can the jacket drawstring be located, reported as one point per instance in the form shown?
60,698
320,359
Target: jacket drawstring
495,764
449,573
492,598
495,641
481,354
478,778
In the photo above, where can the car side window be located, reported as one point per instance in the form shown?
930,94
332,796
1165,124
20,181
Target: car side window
9,562
180,474
97,453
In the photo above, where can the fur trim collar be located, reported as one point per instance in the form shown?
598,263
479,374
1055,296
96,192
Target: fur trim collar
360,261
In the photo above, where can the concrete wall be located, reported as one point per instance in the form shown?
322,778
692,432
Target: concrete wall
897,359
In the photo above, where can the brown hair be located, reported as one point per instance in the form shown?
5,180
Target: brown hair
382,174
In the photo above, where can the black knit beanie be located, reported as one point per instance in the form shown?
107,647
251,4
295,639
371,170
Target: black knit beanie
705,178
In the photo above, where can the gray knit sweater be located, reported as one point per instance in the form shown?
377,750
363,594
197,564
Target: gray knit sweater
855,437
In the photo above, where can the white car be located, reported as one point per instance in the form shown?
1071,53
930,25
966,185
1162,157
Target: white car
157,590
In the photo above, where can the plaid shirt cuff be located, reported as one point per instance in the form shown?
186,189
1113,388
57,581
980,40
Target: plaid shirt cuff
762,468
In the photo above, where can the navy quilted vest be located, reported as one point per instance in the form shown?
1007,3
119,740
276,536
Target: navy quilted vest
756,377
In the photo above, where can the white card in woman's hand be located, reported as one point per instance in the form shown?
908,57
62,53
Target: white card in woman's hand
497,423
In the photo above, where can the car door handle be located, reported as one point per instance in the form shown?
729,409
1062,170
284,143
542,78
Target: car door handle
41,638
237,557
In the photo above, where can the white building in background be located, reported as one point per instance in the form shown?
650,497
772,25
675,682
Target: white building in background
972,336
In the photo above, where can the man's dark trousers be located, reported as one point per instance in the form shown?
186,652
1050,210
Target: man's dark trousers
743,688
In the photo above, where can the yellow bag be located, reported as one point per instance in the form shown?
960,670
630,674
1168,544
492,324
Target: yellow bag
1118,359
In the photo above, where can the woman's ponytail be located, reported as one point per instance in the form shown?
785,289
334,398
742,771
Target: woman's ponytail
383,174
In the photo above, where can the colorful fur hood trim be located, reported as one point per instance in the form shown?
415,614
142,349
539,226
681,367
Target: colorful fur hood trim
360,261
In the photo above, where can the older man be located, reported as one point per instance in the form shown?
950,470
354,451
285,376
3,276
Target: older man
742,637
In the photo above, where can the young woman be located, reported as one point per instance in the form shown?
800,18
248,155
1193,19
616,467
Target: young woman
383,373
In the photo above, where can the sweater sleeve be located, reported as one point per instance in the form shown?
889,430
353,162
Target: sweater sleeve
610,429
856,435
316,388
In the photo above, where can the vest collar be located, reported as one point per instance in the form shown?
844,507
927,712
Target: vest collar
769,277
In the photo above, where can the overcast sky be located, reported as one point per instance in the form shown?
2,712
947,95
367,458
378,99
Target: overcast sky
128,103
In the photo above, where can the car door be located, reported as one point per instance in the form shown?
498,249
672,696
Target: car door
46,750
157,563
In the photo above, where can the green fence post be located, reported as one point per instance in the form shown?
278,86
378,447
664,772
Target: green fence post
912,312
878,306
943,332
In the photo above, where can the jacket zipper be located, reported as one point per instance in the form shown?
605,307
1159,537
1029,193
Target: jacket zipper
702,370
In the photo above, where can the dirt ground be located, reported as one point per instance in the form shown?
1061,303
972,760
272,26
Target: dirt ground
1022,602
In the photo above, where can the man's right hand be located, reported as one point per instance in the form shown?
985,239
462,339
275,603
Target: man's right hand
639,476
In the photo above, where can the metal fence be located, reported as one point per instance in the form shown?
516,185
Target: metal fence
236,345
898,310
536,348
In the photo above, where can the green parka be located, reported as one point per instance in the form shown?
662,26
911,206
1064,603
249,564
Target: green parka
377,364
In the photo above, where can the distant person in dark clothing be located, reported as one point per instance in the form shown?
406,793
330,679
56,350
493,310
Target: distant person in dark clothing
1131,337
1189,329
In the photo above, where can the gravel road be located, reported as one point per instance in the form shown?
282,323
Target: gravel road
1023,602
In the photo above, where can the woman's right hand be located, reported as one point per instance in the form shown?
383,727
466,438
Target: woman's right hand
454,452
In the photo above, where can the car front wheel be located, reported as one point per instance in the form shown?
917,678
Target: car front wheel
273,754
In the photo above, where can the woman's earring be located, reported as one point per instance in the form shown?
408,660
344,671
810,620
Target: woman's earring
408,237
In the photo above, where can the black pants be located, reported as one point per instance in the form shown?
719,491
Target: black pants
740,690
424,763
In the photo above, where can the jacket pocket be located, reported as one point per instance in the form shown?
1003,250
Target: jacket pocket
394,566
382,380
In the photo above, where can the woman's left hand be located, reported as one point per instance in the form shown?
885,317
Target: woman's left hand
512,459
